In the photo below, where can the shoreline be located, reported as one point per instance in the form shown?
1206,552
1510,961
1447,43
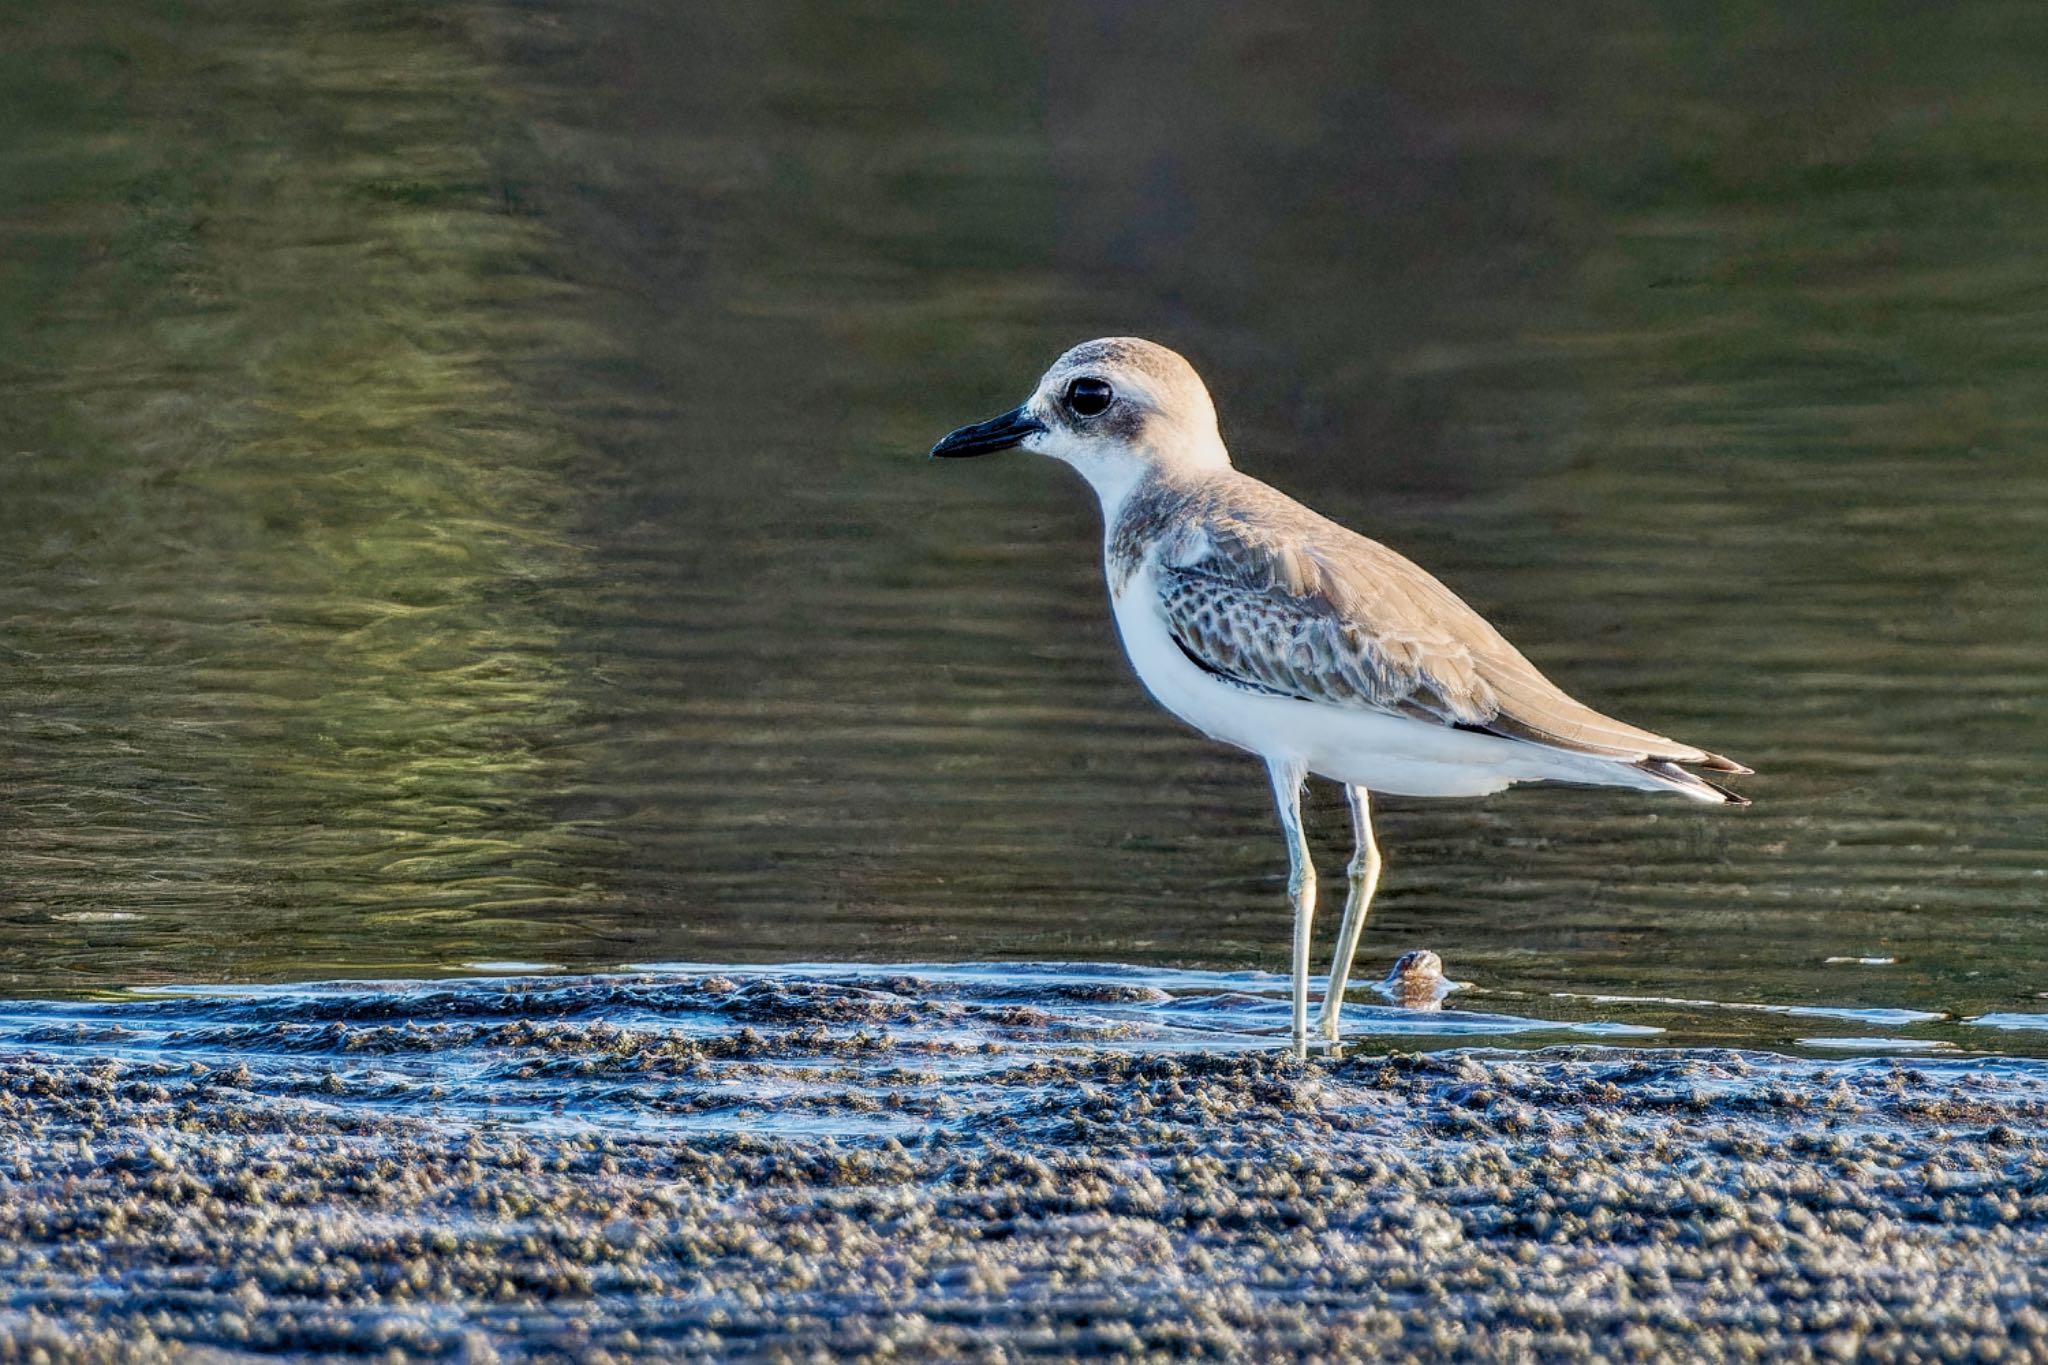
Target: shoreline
727,1165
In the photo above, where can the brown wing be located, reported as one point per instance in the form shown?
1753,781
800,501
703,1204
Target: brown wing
1271,596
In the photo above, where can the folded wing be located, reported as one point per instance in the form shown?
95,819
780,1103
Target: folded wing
1268,595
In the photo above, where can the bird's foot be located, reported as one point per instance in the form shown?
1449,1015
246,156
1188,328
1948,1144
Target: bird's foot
1327,1017
1317,1044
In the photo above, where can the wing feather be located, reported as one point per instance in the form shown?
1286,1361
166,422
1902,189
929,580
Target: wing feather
1264,592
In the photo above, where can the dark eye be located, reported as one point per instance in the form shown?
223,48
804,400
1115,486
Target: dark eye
1087,397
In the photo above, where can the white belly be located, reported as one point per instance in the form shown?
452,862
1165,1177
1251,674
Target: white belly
1379,752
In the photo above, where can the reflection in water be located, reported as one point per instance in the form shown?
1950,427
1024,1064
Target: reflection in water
465,501
287,573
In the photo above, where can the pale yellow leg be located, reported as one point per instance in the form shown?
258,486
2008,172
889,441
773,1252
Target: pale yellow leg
1301,884
1365,879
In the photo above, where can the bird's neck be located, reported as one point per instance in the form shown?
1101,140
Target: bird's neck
1117,480
1151,519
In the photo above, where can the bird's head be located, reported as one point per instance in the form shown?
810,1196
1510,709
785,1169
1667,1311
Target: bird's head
1115,409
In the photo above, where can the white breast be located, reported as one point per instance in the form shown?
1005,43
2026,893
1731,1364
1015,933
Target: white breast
1380,752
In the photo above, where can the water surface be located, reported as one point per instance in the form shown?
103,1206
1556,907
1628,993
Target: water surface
461,495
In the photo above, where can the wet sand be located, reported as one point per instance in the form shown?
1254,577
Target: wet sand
724,1166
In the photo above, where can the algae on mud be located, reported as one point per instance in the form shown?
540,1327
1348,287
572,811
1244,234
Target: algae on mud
726,1166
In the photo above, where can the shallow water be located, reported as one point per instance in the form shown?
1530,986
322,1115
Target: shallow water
949,1162
461,496
446,1043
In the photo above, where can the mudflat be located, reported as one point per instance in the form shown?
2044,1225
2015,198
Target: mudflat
727,1165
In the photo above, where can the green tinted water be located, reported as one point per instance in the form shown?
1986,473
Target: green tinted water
461,494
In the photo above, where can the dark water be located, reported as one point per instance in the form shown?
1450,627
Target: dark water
461,495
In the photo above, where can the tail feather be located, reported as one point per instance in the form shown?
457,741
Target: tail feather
1692,784
1714,763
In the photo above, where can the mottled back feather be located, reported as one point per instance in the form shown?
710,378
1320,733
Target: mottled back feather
1267,594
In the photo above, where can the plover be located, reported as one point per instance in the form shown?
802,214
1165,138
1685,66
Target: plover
1271,628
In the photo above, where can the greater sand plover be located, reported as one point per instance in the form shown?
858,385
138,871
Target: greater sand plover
1269,627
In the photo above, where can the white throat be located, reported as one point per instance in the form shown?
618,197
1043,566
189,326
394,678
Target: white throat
1113,480
1113,473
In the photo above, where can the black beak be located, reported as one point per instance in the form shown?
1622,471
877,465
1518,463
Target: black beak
997,433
